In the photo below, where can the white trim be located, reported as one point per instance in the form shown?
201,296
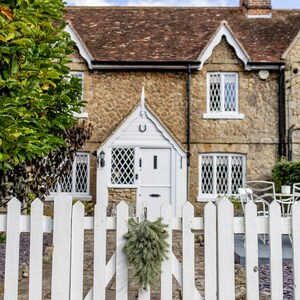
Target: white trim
212,197
82,115
226,115
82,49
76,195
136,113
223,30
222,114
80,75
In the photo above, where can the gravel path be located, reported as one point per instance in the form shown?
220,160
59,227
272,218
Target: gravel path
264,280
24,250
264,270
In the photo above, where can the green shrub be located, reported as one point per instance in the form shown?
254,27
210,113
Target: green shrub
2,237
286,173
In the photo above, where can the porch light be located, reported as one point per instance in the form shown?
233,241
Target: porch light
101,159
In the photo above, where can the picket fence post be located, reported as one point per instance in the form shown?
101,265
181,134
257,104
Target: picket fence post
225,248
121,260
251,245
210,250
36,250
61,257
143,294
188,252
12,250
296,248
166,268
77,248
100,228
276,281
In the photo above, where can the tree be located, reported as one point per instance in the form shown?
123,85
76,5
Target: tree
37,96
39,134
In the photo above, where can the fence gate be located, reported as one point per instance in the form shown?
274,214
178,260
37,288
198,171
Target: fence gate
219,225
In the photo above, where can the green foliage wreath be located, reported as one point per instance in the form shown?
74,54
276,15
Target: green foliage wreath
146,248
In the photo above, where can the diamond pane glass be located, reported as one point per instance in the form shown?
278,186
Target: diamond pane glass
77,180
222,175
81,185
66,183
237,174
207,174
215,92
230,92
122,166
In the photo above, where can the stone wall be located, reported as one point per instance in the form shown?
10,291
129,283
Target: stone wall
292,76
112,95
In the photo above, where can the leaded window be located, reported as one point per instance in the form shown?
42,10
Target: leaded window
221,173
79,75
222,92
77,182
122,166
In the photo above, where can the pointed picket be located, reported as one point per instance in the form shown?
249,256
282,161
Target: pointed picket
121,260
225,248
76,287
210,251
166,268
142,213
296,248
251,245
12,250
61,258
188,252
276,281
36,250
100,224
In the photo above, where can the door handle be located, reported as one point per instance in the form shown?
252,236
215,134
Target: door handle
154,195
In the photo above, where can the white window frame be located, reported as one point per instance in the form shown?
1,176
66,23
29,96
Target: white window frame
80,74
135,180
76,196
222,114
212,197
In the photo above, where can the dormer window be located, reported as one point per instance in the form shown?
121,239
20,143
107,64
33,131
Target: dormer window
222,96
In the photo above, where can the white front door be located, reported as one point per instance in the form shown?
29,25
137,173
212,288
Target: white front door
154,179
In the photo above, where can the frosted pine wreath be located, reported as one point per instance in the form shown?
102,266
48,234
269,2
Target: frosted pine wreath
146,248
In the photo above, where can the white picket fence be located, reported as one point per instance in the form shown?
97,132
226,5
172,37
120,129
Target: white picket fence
218,223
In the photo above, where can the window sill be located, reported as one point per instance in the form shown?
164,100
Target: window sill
212,198
208,198
82,115
74,196
122,186
231,116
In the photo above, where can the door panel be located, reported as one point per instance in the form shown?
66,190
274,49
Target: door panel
154,178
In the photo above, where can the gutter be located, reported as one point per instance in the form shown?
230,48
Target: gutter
144,65
251,66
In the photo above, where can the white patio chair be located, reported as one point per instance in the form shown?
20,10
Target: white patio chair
262,193
296,190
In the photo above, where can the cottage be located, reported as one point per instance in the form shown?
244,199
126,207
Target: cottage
187,103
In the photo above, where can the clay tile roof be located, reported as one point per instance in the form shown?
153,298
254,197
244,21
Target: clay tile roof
168,34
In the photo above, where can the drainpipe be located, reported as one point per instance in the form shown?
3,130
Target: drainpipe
282,116
188,126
